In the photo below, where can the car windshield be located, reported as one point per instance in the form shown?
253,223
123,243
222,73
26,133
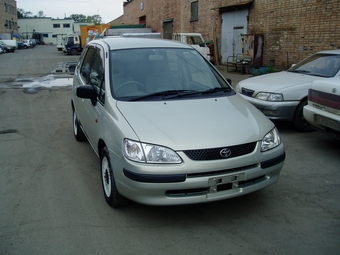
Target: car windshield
163,74
323,65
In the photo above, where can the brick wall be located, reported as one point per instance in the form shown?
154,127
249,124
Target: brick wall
292,29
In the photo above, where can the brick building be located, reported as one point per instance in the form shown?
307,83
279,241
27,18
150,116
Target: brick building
290,29
8,17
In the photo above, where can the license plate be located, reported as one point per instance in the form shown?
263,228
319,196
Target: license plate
333,124
226,179
224,183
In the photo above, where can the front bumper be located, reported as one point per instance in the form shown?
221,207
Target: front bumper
274,110
196,181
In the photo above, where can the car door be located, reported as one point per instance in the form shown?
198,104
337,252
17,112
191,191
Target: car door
90,112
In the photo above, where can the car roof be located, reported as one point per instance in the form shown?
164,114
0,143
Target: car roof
137,43
329,52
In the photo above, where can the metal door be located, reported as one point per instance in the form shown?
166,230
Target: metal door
167,29
234,24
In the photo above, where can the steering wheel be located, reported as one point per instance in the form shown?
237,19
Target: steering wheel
130,83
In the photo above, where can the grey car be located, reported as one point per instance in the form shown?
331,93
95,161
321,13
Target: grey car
168,128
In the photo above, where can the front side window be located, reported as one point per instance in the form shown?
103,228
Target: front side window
194,40
92,70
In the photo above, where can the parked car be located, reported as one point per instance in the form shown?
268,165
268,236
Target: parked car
33,42
27,44
168,128
7,48
323,109
282,95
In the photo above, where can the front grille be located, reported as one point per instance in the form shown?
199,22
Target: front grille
247,92
215,153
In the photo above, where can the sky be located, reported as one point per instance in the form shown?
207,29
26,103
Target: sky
107,9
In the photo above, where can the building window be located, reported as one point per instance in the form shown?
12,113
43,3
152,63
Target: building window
194,11
45,35
67,25
54,36
56,25
5,6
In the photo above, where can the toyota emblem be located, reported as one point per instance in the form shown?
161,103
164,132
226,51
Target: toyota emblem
334,90
225,153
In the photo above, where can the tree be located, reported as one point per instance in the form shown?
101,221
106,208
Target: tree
95,19
78,17
23,14
41,14
20,13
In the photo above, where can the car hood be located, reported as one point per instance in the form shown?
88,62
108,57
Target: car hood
277,82
196,124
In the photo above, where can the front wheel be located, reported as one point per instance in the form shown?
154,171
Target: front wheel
112,196
300,122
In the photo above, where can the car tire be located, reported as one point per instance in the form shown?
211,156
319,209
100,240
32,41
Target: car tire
74,52
77,131
300,123
112,196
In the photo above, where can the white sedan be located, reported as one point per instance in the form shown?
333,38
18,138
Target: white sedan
323,109
282,96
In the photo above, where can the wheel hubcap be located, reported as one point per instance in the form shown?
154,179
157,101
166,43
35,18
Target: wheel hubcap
75,122
106,177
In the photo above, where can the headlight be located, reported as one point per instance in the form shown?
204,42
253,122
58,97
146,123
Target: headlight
238,88
270,140
149,153
269,96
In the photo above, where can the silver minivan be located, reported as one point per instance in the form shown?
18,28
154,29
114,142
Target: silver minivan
168,128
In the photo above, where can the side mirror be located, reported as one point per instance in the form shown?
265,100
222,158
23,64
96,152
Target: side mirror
87,92
228,80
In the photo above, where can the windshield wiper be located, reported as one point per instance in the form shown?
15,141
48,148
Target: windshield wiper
169,94
195,92
300,71
216,89
165,93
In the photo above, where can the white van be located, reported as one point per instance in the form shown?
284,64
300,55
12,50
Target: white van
195,40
